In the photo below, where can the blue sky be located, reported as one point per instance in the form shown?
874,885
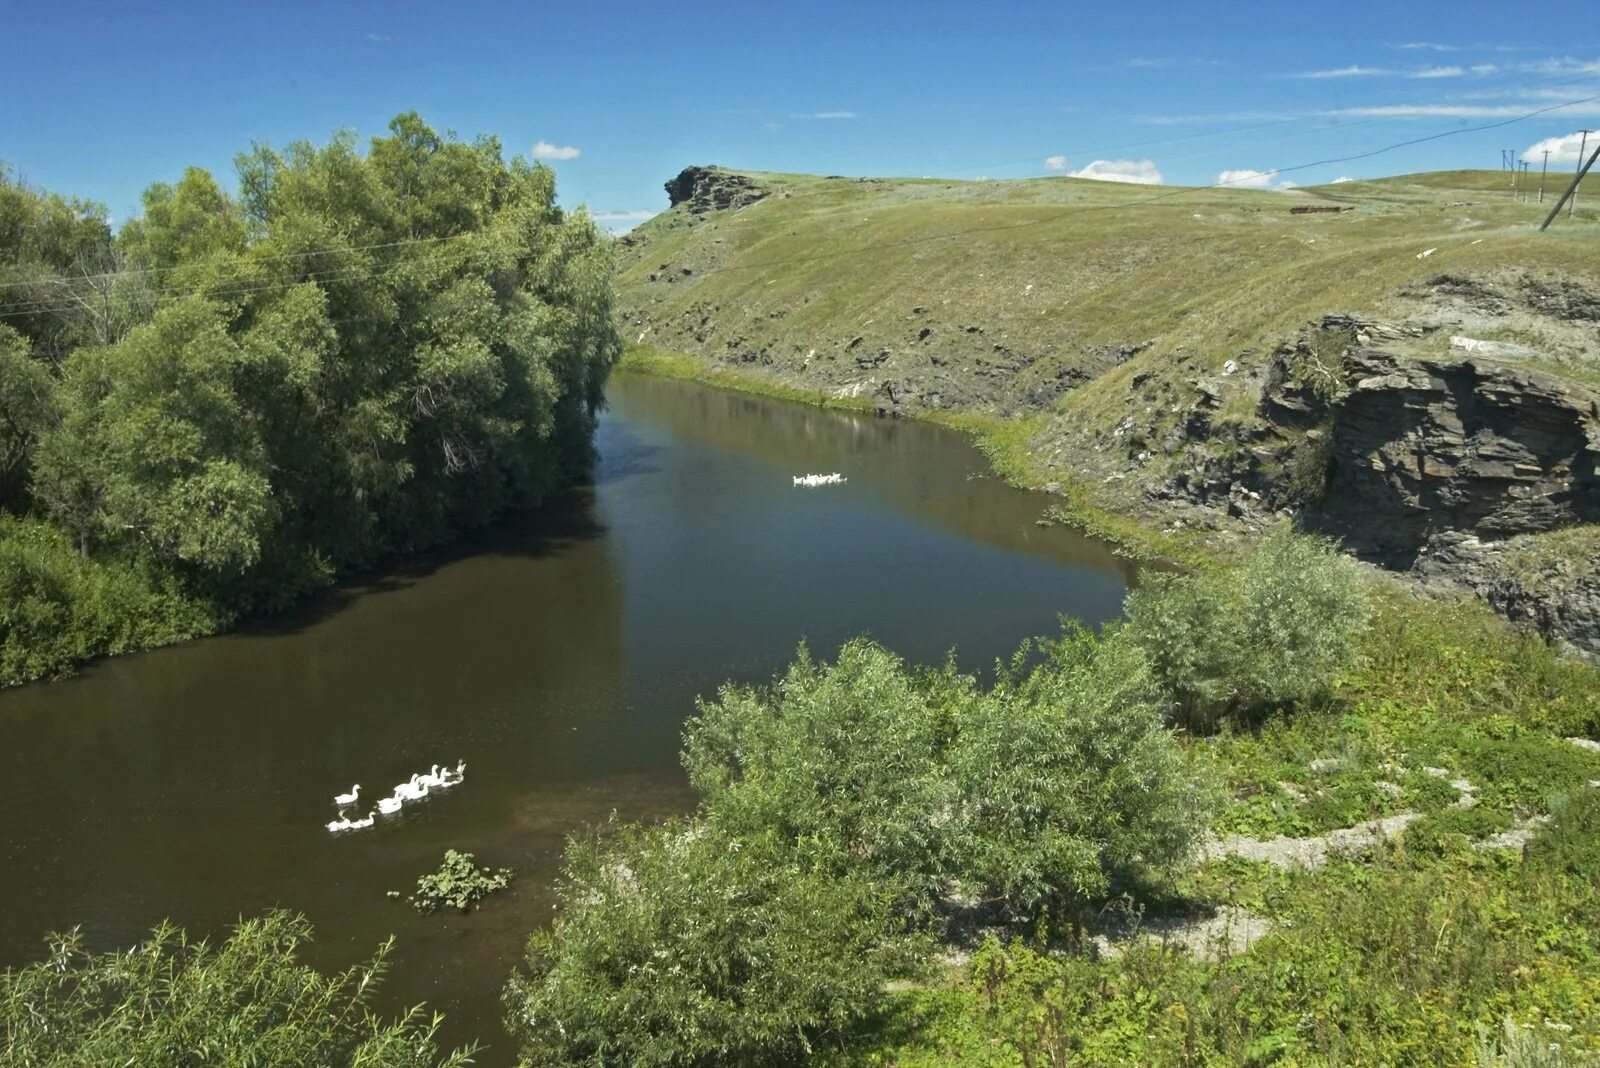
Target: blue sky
103,99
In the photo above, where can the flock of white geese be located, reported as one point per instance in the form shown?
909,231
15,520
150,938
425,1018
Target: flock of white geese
413,789
819,480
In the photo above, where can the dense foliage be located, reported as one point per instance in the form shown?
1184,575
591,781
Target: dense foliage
681,945
1068,777
170,1001
844,808
361,355
1060,793
1276,630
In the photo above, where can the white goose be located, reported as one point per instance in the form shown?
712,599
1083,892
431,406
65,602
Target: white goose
432,778
408,791
334,826
361,824
459,772
349,798
389,805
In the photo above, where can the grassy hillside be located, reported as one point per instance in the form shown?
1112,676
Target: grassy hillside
1024,295
1053,310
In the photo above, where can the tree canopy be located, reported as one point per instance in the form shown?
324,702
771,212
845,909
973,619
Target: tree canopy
360,354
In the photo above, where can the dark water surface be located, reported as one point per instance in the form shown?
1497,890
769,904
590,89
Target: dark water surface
559,656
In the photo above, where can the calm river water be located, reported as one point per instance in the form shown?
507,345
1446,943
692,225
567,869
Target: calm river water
559,656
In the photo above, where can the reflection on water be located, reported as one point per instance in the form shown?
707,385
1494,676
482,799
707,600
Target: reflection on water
558,655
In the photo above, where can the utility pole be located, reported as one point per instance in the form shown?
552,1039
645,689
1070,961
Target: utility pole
1582,145
1571,189
1544,169
1525,166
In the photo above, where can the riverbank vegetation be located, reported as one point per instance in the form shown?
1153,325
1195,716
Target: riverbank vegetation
173,1001
1325,864
1327,823
234,399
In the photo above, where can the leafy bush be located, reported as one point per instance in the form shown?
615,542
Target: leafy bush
458,883
848,755
170,1001
1275,630
1067,774
1570,843
58,608
1527,1046
680,945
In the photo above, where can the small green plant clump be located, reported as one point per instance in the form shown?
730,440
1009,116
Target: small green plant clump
459,883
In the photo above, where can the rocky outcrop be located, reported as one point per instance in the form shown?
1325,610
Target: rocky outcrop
1457,468
1424,447
706,189
1562,607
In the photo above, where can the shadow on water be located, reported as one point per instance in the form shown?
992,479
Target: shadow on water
558,653
551,529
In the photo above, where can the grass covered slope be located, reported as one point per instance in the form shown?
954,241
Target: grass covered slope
1072,302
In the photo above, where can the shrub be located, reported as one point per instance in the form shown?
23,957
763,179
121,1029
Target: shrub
848,755
58,607
1570,843
1275,630
681,945
171,1001
1069,774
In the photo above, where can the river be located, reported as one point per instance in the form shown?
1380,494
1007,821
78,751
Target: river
558,655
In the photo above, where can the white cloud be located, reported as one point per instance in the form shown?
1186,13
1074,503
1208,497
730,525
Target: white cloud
1438,72
1138,172
1345,72
1454,111
1483,68
1246,179
619,222
1288,185
1342,179
833,115
1565,65
1055,163
545,150
1563,150
379,38
1426,46
774,125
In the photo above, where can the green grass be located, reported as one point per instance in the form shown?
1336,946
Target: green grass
1400,956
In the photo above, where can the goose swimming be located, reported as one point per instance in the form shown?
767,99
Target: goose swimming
367,821
389,805
349,798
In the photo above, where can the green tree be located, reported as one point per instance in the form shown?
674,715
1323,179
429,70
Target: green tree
27,409
155,452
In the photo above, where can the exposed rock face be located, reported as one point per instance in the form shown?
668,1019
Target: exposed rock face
1564,607
712,189
1421,447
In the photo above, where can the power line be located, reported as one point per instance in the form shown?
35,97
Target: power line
262,259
